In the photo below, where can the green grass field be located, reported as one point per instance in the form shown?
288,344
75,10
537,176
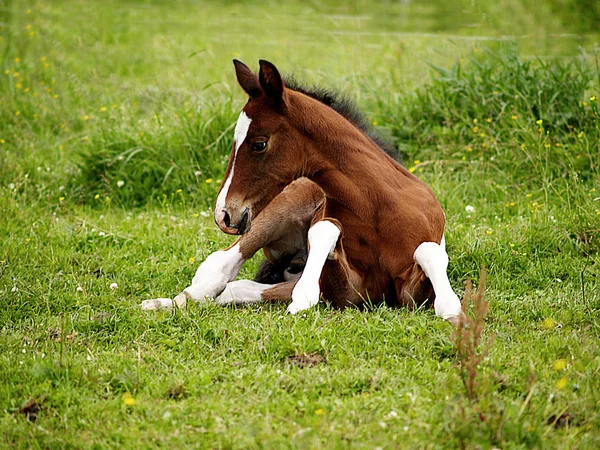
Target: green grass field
116,122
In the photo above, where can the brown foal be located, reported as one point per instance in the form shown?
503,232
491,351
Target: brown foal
305,179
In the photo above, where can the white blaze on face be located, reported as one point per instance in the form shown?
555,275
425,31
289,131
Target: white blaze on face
239,136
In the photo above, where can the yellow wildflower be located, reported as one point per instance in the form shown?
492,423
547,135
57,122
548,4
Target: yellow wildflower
417,162
475,120
28,27
547,145
514,117
208,180
412,169
489,120
192,260
475,129
43,58
489,231
97,196
2,141
562,383
469,149
17,60
6,72
539,122
16,74
593,98
61,199
320,412
548,323
29,11
559,364
103,109
128,399
17,113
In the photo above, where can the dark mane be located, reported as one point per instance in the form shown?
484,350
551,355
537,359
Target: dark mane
345,107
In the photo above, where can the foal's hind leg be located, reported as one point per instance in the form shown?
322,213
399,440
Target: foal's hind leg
433,259
280,229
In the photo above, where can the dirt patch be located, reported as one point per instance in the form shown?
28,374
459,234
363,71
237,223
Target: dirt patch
563,420
31,409
177,392
307,359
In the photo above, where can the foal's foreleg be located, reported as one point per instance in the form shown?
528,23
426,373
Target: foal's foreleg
322,239
433,259
280,228
211,278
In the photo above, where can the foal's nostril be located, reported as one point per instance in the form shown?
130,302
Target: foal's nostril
244,221
226,219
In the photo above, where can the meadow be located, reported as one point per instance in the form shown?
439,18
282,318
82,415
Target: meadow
116,123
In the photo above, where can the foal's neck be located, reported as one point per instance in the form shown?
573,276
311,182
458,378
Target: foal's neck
345,162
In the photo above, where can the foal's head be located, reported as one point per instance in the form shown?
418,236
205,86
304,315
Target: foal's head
267,151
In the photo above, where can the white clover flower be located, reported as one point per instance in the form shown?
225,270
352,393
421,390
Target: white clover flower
14,289
198,173
469,209
79,289
114,286
120,183
391,415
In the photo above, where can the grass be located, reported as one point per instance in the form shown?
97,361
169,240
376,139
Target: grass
109,171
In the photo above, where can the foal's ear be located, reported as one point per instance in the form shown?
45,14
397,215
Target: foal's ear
247,79
270,80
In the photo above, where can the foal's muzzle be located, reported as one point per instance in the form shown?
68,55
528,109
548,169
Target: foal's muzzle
233,222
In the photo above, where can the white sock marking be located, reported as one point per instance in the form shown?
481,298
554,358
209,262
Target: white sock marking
214,273
242,292
433,259
322,238
211,278
239,136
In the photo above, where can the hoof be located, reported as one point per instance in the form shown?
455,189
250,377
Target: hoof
181,300
157,303
459,320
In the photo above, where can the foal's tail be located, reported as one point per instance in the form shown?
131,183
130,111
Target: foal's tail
416,289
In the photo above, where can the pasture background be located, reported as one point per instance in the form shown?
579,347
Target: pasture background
116,123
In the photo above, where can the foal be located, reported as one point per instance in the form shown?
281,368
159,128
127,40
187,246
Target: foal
302,177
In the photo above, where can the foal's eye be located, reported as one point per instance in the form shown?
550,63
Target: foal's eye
258,146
